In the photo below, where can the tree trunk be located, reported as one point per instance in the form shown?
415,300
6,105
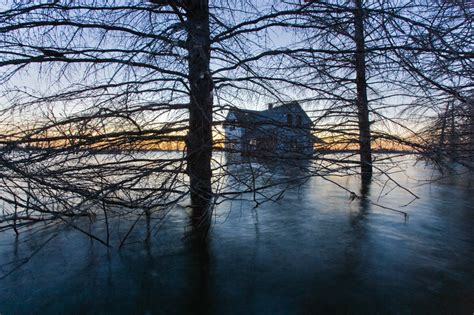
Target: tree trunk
443,128
199,141
362,101
470,153
440,151
453,146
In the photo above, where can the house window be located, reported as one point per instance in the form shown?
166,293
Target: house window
299,121
232,127
289,119
295,144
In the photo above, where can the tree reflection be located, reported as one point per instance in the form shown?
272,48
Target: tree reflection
197,242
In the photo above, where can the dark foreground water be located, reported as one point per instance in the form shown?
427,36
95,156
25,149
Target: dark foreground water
314,252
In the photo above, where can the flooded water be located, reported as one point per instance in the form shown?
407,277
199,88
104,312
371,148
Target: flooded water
315,251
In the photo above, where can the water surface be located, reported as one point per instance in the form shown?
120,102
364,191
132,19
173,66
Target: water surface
314,251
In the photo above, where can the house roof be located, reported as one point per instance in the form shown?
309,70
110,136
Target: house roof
276,115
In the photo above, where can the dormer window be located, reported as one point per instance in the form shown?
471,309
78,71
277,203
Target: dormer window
289,119
299,121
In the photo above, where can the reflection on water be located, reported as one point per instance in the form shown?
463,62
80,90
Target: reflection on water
314,251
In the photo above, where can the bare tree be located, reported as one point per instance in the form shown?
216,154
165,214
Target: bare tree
89,88
397,58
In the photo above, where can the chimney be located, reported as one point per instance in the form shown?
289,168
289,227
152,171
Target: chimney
270,105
